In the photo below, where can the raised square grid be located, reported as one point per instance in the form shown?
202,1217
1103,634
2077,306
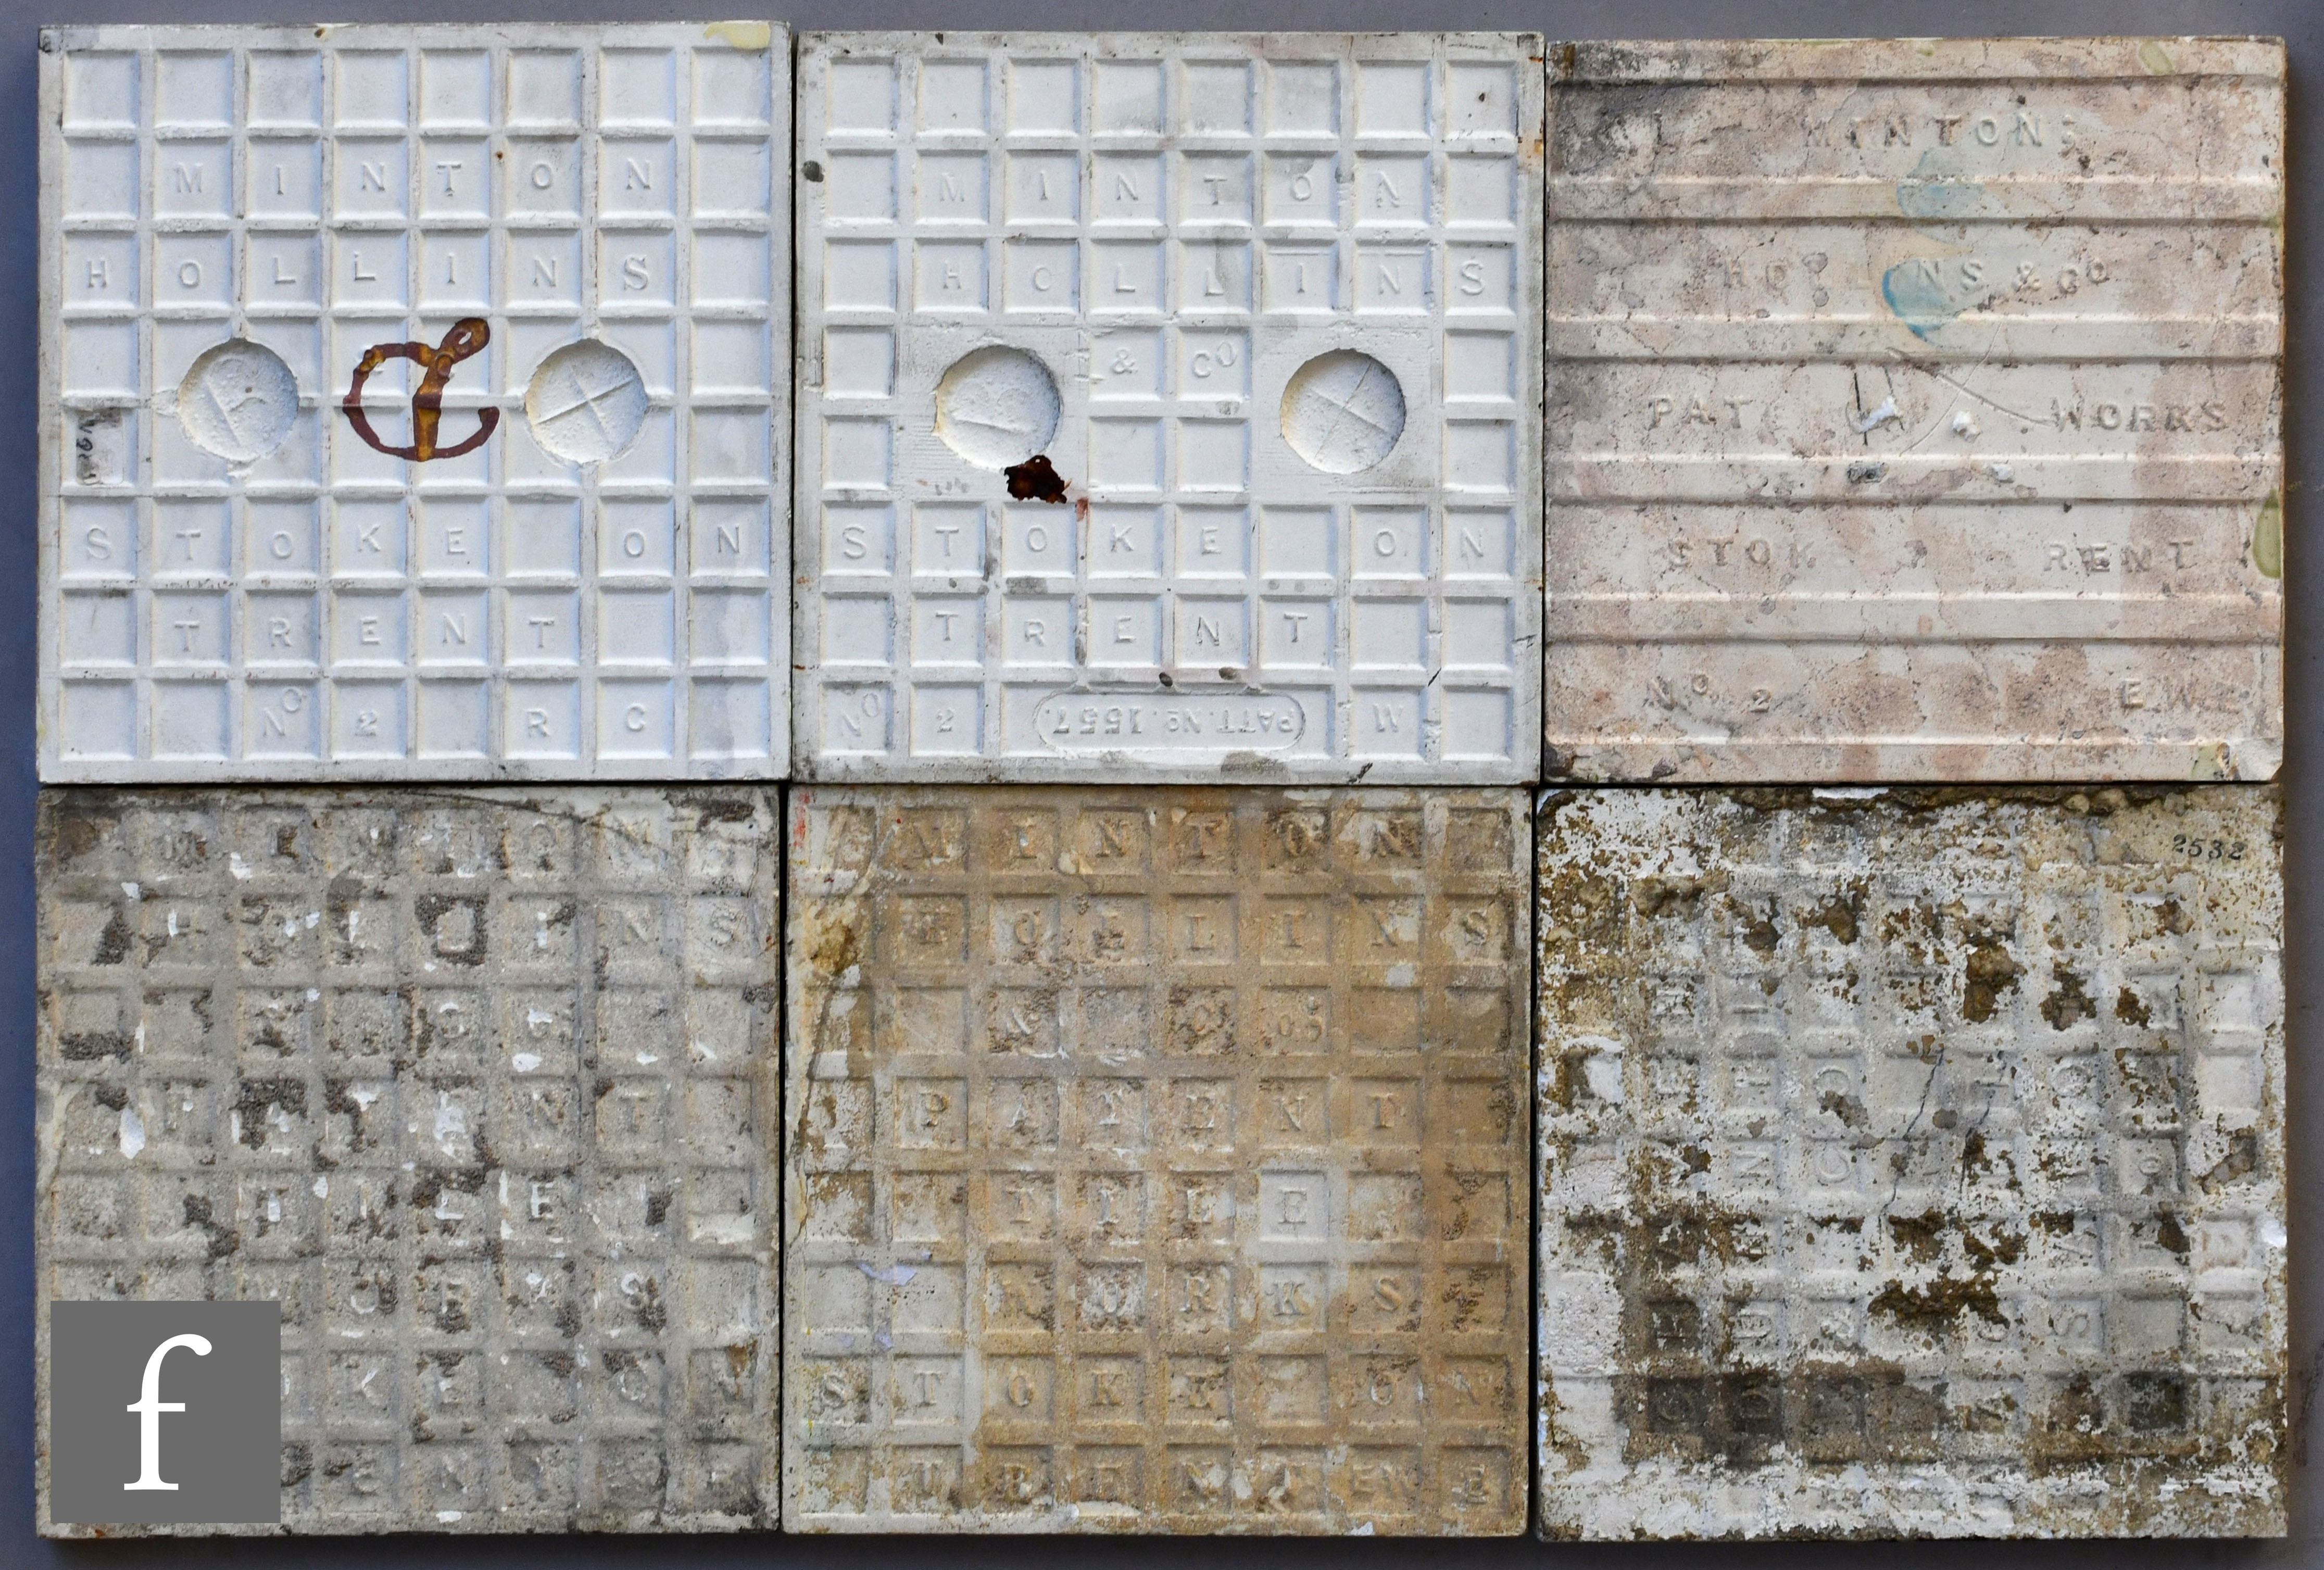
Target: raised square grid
1915,410
235,582
1912,1163
1137,244
1156,1161
477,1088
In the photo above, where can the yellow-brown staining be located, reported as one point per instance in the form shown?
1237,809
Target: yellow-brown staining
2069,1002
1988,973
835,938
1841,914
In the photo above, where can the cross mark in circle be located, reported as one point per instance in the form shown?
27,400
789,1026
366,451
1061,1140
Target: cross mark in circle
586,402
1344,411
580,395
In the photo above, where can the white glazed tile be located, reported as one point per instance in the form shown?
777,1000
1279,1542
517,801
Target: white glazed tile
1914,410
1202,278
234,584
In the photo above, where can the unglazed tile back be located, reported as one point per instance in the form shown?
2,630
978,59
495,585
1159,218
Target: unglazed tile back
1156,1161
477,1086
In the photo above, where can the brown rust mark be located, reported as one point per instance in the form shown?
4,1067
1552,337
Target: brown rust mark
1675,896
1989,972
466,337
834,943
1841,914
2069,1002
1934,1306
1036,480
1758,927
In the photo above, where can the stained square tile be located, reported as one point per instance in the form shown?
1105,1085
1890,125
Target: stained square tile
1915,410
475,1086
1912,1163
1156,1160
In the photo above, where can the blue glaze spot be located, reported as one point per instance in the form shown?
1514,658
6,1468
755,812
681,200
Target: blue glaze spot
1927,200
1929,193
1916,293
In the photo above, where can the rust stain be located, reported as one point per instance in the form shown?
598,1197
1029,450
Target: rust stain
1220,1091
466,336
1036,480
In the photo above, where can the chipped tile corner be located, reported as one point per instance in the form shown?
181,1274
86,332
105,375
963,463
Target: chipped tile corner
1914,410
472,1083
1912,1163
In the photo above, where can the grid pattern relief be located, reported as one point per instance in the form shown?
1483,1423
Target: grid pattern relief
476,1087
1912,1165
1172,231
542,606
1159,1162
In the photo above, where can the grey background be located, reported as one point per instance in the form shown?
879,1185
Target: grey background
2300,22
224,1451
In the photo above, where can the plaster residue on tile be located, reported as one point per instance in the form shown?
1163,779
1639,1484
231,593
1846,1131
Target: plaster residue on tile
477,1086
1912,1163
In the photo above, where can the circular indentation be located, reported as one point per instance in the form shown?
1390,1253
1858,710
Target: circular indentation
1342,412
238,400
996,406
586,402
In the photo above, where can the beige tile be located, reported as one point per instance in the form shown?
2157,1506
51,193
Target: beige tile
1914,410
1156,1160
